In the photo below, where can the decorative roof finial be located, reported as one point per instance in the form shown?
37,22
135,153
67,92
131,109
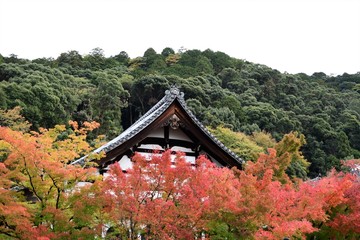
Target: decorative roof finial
173,92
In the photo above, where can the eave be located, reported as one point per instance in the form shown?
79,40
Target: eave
171,104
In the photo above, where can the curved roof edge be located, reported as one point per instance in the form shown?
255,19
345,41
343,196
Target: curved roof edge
150,116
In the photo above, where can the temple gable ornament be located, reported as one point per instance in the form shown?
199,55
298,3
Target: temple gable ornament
169,124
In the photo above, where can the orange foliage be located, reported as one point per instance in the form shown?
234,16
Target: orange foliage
35,179
164,197
271,161
168,202
270,206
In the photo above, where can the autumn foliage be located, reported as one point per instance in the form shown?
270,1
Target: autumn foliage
37,180
42,196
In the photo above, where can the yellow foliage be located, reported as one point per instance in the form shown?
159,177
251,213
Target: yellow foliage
12,118
290,144
238,142
263,139
172,59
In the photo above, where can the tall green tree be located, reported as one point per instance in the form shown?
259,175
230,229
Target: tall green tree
108,100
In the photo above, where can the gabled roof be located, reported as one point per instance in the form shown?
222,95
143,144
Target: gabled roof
172,103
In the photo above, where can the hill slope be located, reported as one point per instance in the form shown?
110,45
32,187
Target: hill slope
220,90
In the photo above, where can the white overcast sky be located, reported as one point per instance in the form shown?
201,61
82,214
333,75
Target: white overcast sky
289,35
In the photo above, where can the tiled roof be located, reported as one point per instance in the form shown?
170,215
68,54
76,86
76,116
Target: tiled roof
170,96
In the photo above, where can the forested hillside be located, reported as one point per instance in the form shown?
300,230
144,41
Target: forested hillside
221,91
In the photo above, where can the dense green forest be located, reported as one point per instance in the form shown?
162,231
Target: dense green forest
220,90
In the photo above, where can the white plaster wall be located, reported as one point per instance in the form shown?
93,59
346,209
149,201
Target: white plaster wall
125,163
158,132
151,147
181,149
178,134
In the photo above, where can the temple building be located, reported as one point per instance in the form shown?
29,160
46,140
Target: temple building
167,125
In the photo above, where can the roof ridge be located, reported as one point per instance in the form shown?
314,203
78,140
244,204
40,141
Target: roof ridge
170,96
208,133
